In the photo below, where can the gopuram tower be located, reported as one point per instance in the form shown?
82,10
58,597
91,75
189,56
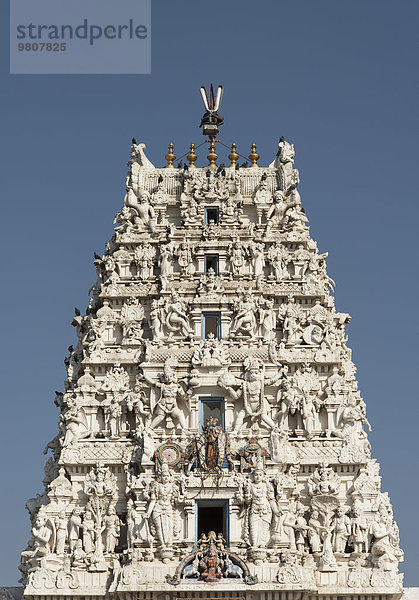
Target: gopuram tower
212,439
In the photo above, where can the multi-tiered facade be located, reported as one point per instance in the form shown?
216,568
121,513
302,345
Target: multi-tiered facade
211,430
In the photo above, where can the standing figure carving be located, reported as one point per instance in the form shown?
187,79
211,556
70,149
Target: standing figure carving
61,532
144,257
184,255
278,258
267,319
74,527
101,491
257,259
258,496
237,257
88,527
163,495
314,532
292,315
359,531
341,530
133,524
111,529
289,400
166,259
113,417
156,320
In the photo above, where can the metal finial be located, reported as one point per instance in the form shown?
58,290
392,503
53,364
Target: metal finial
254,156
170,157
192,157
212,156
233,156
212,118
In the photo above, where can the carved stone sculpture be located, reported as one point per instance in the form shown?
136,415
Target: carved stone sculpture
111,529
278,258
341,530
262,199
260,502
170,391
144,214
144,256
176,319
164,493
251,390
74,526
184,255
100,489
113,417
244,322
166,260
237,257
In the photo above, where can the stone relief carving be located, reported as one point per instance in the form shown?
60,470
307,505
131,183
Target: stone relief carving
163,495
185,255
244,322
251,391
237,257
132,315
211,353
324,481
262,198
141,211
278,259
258,497
144,258
100,489
211,285
171,390
166,260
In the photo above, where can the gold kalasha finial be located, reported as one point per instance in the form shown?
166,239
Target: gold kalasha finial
192,157
254,156
212,156
233,156
170,157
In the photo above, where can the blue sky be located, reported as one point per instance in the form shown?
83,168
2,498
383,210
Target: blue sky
339,79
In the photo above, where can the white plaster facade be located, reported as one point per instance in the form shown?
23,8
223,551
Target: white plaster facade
211,300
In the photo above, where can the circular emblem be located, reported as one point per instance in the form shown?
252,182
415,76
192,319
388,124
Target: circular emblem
313,335
170,453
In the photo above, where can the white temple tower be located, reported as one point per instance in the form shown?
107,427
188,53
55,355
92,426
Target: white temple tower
212,437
